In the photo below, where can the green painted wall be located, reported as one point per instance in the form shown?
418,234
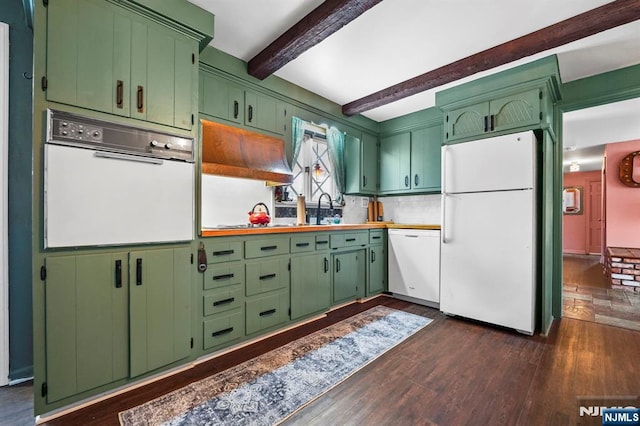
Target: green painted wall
20,112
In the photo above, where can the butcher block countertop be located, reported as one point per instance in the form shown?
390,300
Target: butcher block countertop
286,229
412,226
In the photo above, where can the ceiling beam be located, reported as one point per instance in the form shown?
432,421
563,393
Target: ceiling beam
319,24
575,28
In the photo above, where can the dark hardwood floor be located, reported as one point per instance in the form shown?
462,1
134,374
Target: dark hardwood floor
16,405
452,372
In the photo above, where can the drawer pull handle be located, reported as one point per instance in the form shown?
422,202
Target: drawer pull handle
268,248
140,98
223,277
268,276
223,252
221,332
349,240
224,302
322,242
119,94
376,237
138,271
302,244
269,312
118,273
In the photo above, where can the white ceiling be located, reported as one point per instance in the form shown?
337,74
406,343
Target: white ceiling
400,39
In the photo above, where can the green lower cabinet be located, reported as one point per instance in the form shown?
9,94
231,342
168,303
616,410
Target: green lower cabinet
266,311
376,278
223,329
310,284
349,277
222,300
86,322
159,299
267,275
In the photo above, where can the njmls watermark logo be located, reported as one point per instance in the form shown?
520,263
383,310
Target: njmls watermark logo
609,410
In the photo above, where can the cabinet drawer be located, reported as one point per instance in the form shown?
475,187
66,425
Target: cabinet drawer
349,239
223,251
262,248
219,331
267,311
303,243
267,276
222,300
376,236
322,242
223,275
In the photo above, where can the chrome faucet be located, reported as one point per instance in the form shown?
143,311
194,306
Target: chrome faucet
318,210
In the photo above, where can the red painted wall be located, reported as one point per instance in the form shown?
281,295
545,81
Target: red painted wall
622,203
574,227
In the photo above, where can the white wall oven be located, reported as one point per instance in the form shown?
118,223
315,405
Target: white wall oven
112,184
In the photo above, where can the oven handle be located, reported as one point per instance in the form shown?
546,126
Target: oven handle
116,156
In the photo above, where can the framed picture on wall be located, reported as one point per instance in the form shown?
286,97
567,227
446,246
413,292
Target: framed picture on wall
572,200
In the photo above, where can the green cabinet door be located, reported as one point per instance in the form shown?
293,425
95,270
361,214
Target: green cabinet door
425,159
395,162
159,299
86,322
376,280
105,58
221,98
310,284
163,74
361,159
369,163
349,276
88,55
467,122
260,111
515,111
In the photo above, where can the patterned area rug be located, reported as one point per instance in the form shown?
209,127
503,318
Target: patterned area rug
271,387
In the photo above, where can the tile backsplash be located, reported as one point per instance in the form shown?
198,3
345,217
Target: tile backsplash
414,209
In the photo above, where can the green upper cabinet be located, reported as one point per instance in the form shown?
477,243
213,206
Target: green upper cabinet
86,308
264,112
425,159
510,112
230,101
105,58
160,308
221,98
410,161
361,158
395,166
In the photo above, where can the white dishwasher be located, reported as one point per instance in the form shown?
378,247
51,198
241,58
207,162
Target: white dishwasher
414,265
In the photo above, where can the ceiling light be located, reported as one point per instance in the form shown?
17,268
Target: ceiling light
574,167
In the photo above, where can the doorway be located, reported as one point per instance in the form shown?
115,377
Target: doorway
589,294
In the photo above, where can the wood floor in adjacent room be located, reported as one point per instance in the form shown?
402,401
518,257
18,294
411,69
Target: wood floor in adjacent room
453,372
587,294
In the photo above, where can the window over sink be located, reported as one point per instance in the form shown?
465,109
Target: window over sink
313,172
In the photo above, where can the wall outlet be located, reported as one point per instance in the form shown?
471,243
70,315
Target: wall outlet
364,202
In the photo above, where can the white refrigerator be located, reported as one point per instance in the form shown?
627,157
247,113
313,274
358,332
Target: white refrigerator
488,250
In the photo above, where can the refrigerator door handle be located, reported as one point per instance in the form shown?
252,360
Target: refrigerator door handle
442,219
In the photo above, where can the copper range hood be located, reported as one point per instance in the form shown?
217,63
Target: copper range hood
229,151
